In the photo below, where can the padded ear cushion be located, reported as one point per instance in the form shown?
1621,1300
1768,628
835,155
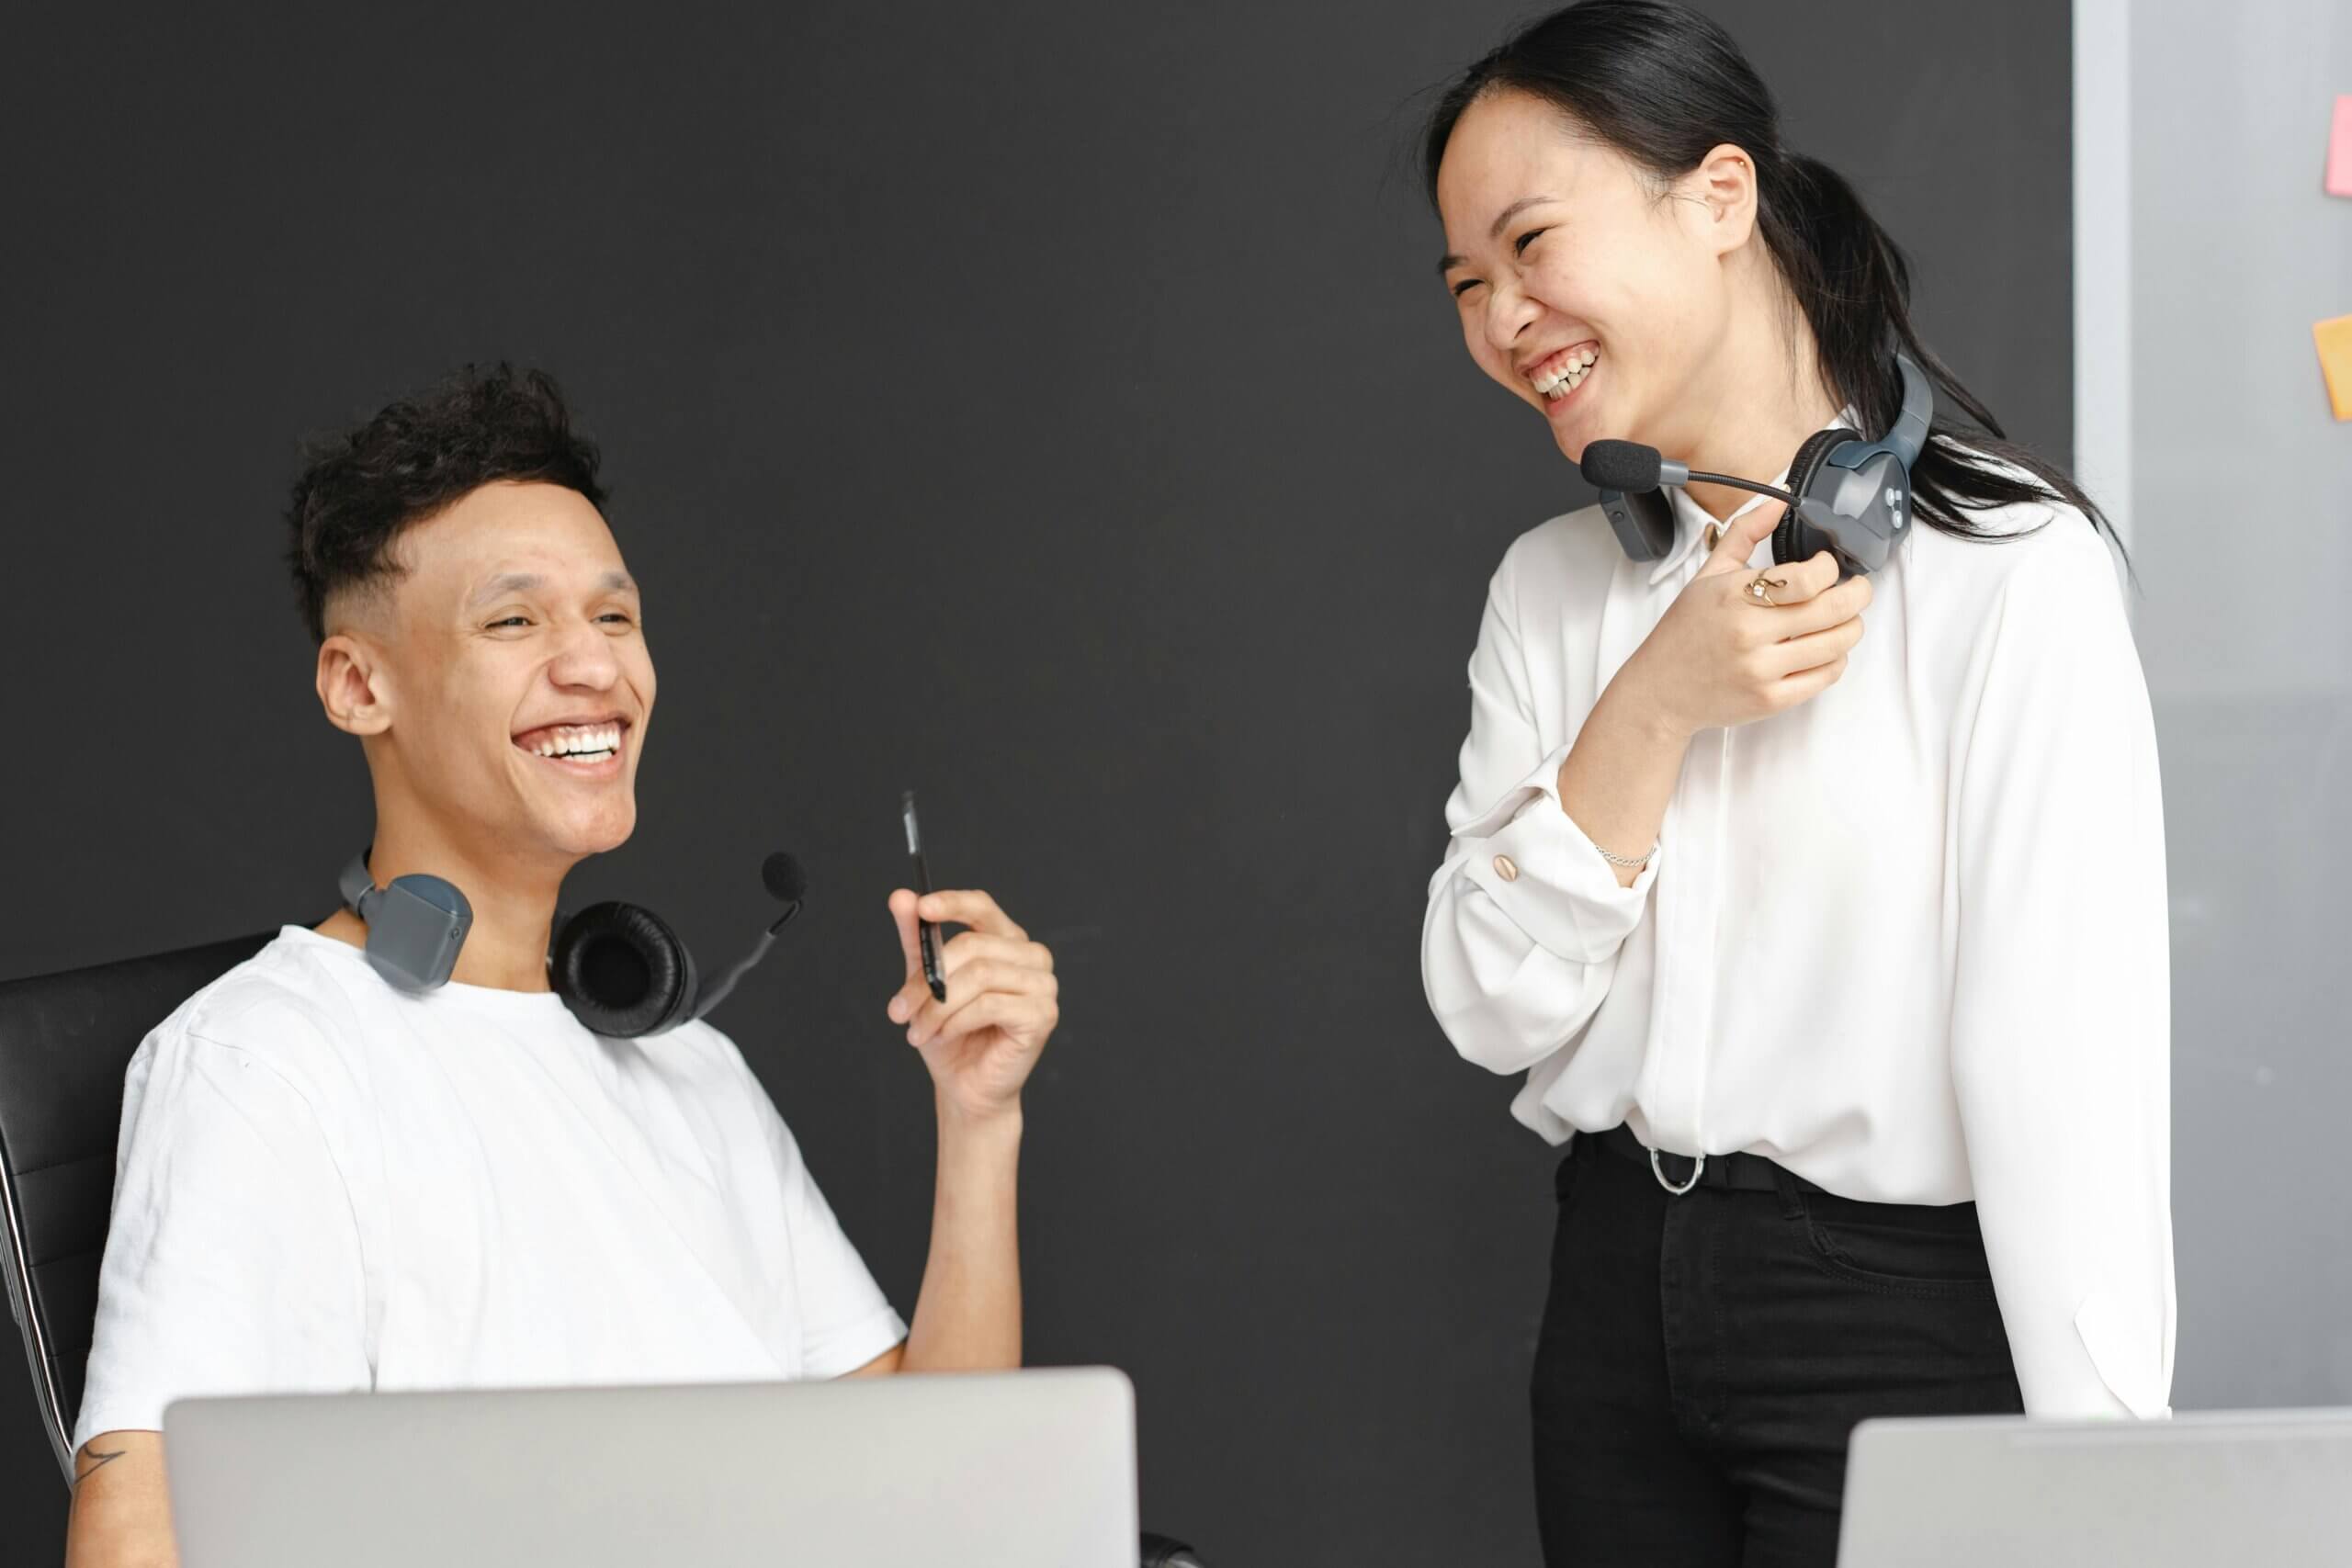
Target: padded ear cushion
622,971
1795,539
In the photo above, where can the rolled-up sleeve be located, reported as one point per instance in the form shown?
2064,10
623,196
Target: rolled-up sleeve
2061,1027
1525,919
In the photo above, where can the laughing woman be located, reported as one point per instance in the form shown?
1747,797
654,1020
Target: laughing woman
1838,960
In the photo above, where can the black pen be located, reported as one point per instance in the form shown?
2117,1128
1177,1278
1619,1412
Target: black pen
926,932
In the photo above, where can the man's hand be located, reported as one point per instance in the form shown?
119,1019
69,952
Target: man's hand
981,1043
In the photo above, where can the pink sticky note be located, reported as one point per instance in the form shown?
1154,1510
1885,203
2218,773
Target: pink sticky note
2339,148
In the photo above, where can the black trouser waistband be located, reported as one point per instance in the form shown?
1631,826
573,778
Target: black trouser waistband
1734,1173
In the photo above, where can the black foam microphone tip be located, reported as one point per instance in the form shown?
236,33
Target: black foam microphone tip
785,877
1621,465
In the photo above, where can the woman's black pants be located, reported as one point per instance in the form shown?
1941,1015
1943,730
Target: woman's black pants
1704,1358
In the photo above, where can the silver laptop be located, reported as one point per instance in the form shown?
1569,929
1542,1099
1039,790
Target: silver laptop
2272,1487
1035,1468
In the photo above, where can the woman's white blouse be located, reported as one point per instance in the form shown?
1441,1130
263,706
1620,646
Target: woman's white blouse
1908,939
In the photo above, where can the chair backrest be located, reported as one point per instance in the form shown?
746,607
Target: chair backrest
65,1041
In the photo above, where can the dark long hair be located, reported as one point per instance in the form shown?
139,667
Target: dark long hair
1663,85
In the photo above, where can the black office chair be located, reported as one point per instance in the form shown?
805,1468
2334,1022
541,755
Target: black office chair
65,1041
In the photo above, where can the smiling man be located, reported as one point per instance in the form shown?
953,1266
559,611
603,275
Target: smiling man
326,1183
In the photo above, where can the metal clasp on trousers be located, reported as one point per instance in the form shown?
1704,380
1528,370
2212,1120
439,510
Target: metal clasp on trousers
1669,1186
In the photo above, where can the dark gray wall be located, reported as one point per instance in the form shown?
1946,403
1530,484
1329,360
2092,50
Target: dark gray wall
1051,407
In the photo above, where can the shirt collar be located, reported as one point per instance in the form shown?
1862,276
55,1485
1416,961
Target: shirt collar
1690,519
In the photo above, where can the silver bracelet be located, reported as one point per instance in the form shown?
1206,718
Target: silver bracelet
1628,859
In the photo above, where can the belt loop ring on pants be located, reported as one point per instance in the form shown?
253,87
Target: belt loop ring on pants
1670,1186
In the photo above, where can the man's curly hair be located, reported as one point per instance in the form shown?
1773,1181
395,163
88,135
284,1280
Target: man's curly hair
422,454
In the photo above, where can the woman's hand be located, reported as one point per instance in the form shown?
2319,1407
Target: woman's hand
981,1043
1717,658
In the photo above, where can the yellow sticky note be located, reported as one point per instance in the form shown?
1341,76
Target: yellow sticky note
2335,340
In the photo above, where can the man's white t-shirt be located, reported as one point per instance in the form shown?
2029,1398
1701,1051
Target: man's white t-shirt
323,1183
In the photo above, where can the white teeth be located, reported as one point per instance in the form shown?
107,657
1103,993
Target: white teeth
1569,374
590,743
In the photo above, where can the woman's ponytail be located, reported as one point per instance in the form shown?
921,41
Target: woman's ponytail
1845,273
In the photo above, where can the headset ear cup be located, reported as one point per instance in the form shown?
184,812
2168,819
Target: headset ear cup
1795,539
622,971
1643,520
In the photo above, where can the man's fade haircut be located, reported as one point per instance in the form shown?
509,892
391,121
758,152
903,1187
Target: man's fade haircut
360,490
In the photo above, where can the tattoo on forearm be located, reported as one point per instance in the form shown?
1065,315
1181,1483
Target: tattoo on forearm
100,1461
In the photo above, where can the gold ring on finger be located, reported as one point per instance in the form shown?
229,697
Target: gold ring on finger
1757,585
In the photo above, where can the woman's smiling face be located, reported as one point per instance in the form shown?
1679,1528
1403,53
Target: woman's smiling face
1582,290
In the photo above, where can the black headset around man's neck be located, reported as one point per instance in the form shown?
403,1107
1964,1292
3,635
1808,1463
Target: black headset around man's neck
619,967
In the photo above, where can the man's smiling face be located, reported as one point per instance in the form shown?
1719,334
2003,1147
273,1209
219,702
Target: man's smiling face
514,670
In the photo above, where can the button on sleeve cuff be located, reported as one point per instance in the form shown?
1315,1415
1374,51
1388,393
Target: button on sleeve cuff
1528,855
